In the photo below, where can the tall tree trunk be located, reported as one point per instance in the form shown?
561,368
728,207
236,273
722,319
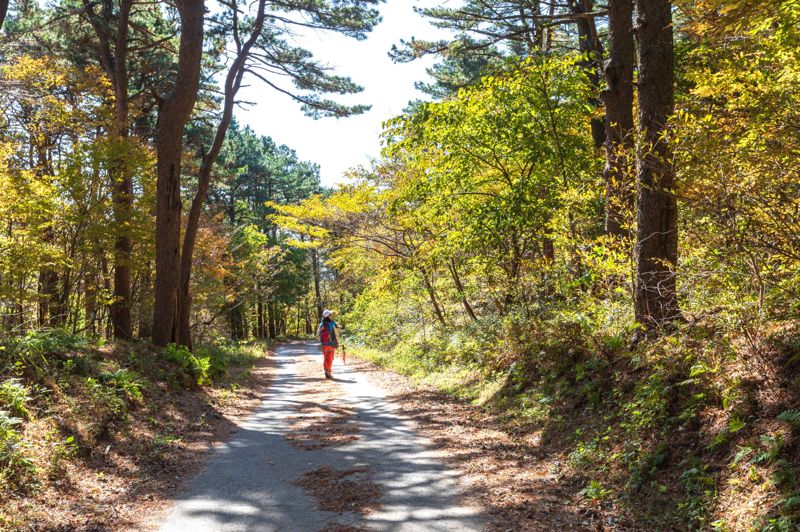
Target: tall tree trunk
3,11
90,305
657,210
618,99
114,61
589,44
48,289
105,322
233,82
122,187
317,292
173,113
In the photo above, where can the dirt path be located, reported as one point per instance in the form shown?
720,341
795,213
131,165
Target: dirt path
323,455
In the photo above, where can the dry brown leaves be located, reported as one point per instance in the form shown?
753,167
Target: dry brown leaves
321,420
125,479
322,428
349,490
506,473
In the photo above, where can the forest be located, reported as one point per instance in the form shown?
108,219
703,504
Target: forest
589,227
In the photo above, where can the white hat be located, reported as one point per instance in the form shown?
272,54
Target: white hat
326,313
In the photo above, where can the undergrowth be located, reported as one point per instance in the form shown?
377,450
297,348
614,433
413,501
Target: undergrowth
695,429
62,397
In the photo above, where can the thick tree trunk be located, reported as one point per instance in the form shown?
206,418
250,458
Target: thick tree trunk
3,11
618,99
657,210
173,113
233,82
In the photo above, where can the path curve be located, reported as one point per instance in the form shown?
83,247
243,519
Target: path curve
249,482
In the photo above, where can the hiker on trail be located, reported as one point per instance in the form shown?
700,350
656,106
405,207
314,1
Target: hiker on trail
328,333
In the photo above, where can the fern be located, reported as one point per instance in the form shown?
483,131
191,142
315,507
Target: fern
792,417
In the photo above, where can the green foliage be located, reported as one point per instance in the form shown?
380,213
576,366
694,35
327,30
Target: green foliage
700,489
62,453
595,491
14,397
198,366
107,401
210,363
32,349
792,417
16,469
126,383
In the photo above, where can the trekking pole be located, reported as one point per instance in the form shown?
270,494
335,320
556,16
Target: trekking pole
344,355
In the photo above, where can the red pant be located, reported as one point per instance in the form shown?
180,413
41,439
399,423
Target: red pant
328,352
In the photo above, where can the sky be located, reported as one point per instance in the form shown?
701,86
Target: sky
339,144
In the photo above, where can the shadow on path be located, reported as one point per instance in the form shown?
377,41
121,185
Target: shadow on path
249,482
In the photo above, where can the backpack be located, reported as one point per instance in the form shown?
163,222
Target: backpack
327,335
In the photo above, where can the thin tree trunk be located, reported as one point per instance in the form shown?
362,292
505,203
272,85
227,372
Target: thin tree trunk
145,313
432,295
114,63
655,296
173,113
271,322
618,99
233,82
461,292
122,187
48,293
260,318
589,44
317,292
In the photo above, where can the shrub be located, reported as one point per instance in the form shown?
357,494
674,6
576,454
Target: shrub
32,349
106,399
124,382
197,366
14,396
16,469
63,452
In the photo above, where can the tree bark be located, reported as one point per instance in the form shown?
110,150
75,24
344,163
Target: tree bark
233,82
145,327
460,288
260,318
317,291
122,187
618,99
174,111
3,11
589,44
434,300
655,298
